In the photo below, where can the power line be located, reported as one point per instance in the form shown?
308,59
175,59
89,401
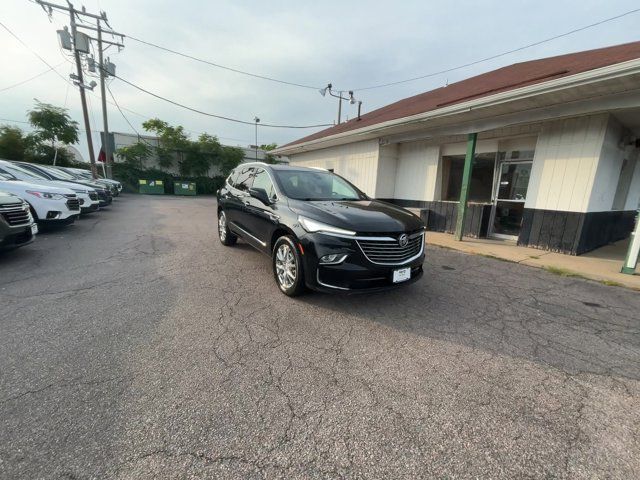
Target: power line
29,79
223,67
32,51
229,119
492,57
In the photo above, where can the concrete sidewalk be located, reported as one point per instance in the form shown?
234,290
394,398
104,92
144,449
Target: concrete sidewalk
602,265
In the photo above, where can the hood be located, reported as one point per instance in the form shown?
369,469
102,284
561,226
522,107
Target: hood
7,198
19,187
58,184
362,216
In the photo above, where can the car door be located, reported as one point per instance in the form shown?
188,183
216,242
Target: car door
237,196
262,219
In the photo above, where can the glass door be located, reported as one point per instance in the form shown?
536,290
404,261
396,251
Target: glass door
511,193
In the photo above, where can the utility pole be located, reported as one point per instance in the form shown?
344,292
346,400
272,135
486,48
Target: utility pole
257,120
106,142
83,97
69,42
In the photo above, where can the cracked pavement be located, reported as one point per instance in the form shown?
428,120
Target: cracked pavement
134,345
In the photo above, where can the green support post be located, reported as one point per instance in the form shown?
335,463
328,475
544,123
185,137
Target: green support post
631,261
466,182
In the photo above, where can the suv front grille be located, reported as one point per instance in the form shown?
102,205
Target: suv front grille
389,252
15,214
73,203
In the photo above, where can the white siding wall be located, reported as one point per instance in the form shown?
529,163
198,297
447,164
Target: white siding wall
357,162
609,167
387,167
633,197
417,171
565,163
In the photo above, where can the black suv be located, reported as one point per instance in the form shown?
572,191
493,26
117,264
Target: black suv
319,229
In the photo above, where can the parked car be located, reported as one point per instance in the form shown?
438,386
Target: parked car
49,205
17,227
80,174
51,173
87,196
320,230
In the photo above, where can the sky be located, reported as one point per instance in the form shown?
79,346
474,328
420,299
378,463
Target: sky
351,44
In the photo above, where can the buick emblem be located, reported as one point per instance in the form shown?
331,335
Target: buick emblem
403,240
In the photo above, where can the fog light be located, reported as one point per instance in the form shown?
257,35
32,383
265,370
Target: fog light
333,259
52,215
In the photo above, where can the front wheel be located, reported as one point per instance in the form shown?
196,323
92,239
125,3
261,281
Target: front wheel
227,238
287,267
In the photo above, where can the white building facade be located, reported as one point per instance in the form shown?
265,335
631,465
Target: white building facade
555,164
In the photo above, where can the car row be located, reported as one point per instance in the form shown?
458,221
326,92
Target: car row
34,196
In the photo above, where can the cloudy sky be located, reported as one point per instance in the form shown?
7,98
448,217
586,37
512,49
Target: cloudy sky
352,44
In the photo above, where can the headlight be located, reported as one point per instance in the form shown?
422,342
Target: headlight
77,190
47,195
312,226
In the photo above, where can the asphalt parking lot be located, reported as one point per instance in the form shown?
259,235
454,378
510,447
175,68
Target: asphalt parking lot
134,345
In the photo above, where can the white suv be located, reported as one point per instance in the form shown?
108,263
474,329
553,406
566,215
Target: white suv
49,204
88,197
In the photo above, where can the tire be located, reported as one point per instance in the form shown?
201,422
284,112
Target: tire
226,237
287,266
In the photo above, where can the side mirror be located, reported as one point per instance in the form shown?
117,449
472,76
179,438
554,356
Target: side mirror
260,194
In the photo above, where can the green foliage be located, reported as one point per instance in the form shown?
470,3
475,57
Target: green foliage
13,143
194,157
269,158
136,154
129,176
16,145
52,124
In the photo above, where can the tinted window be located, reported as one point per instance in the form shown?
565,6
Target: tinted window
243,181
262,180
233,176
320,185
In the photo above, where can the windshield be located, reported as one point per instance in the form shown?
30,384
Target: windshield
21,173
57,173
5,176
320,185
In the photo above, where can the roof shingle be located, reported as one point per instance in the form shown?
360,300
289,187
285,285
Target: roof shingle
500,80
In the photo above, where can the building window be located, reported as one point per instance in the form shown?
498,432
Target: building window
482,176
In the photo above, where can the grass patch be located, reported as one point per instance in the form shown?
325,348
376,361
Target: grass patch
563,272
611,283
488,255
535,257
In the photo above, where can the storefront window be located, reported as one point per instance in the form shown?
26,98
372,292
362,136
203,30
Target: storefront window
481,177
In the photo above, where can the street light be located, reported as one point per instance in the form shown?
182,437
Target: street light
257,121
351,98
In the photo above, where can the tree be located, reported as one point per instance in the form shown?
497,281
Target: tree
269,157
173,141
51,124
13,143
135,154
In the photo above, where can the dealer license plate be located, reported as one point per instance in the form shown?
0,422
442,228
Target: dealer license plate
34,228
401,275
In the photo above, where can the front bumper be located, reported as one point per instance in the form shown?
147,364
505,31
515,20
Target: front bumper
16,236
357,273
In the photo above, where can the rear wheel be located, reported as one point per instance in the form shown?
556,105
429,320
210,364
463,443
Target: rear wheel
287,266
226,237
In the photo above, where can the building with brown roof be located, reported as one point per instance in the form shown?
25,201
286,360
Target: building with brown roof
556,151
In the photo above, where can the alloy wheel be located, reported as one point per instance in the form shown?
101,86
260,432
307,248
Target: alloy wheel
286,269
222,226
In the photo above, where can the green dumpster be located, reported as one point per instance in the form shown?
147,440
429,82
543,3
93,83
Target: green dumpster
151,187
184,188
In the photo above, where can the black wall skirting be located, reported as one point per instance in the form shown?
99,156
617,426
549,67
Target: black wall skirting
574,233
442,216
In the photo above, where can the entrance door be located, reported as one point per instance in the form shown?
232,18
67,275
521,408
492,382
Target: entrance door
509,198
